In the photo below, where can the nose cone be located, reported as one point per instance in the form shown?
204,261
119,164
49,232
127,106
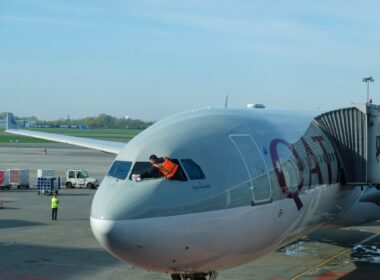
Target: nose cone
126,240
122,200
116,213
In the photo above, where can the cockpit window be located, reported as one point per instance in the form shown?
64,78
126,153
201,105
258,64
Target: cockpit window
142,166
193,170
145,170
120,169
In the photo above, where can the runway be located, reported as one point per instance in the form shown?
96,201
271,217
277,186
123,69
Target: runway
34,247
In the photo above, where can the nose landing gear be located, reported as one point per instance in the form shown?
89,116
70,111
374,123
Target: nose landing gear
196,276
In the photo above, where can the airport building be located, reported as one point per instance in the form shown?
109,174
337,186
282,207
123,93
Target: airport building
20,123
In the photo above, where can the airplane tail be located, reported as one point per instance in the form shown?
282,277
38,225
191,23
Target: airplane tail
11,123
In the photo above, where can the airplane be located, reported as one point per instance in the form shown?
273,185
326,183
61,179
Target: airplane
253,180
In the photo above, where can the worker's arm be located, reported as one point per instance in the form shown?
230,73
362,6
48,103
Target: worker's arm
153,172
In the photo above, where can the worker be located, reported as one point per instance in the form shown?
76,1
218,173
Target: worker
54,207
161,167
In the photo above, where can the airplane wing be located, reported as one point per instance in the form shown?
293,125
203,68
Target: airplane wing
100,145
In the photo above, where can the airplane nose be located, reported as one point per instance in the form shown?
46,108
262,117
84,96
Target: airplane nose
102,229
119,200
126,240
115,222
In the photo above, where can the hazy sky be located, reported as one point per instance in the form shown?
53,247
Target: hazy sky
151,59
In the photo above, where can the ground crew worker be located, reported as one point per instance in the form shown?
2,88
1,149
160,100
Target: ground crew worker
161,167
54,207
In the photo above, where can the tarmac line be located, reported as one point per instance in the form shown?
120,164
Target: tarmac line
333,257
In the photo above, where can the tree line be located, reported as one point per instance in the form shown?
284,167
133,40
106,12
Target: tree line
101,121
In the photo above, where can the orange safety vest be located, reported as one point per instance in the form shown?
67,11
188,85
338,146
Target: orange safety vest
167,168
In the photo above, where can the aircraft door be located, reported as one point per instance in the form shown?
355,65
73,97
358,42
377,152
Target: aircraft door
256,167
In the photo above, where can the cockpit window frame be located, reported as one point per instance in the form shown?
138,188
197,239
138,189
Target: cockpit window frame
183,176
133,171
193,165
119,162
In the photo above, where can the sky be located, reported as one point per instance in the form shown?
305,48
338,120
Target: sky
152,59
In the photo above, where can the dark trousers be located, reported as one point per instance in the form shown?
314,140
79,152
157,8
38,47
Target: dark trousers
54,212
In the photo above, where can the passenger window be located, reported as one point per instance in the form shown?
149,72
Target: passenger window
120,169
71,174
193,170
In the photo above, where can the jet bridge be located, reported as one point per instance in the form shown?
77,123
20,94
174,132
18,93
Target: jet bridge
355,134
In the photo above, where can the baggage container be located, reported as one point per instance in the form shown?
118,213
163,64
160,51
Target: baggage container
48,185
19,178
4,179
45,173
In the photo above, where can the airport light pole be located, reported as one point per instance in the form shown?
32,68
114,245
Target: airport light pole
368,80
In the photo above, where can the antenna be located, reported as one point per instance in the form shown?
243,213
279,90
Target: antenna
226,102
368,80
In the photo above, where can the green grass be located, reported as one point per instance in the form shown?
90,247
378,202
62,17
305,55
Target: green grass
120,135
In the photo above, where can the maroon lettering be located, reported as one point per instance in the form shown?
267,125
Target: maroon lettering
280,174
316,169
319,140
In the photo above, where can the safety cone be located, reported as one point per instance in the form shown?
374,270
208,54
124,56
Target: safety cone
1,204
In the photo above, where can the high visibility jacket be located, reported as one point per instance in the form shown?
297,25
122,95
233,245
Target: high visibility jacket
54,202
167,168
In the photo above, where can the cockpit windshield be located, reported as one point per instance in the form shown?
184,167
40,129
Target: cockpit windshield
145,170
192,169
144,166
120,169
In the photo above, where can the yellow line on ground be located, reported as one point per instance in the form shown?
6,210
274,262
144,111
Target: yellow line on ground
321,264
332,258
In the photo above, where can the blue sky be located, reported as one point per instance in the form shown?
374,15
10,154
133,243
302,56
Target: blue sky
151,59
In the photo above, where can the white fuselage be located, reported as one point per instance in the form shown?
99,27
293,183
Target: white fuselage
249,204
215,240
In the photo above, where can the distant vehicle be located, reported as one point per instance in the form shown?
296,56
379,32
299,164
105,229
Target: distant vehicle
4,179
14,177
19,178
78,178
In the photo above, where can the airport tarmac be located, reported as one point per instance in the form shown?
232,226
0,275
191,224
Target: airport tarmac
34,247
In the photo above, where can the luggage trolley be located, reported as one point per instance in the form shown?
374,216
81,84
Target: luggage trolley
48,185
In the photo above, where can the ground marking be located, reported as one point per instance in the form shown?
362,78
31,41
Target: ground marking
333,257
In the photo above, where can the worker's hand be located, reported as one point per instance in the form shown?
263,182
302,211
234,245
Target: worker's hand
136,177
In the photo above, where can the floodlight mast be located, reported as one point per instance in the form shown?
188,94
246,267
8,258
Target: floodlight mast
368,80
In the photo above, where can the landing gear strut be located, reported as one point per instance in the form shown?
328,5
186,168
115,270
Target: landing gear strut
196,276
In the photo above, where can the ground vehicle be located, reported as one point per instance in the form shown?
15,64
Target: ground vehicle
78,178
4,179
14,177
19,178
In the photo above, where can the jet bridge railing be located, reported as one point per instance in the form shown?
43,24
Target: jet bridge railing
347,129
355,135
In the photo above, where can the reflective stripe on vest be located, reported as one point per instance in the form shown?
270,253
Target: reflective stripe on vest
54,202
167,168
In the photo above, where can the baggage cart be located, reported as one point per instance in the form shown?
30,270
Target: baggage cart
48,185
19,178
4,180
